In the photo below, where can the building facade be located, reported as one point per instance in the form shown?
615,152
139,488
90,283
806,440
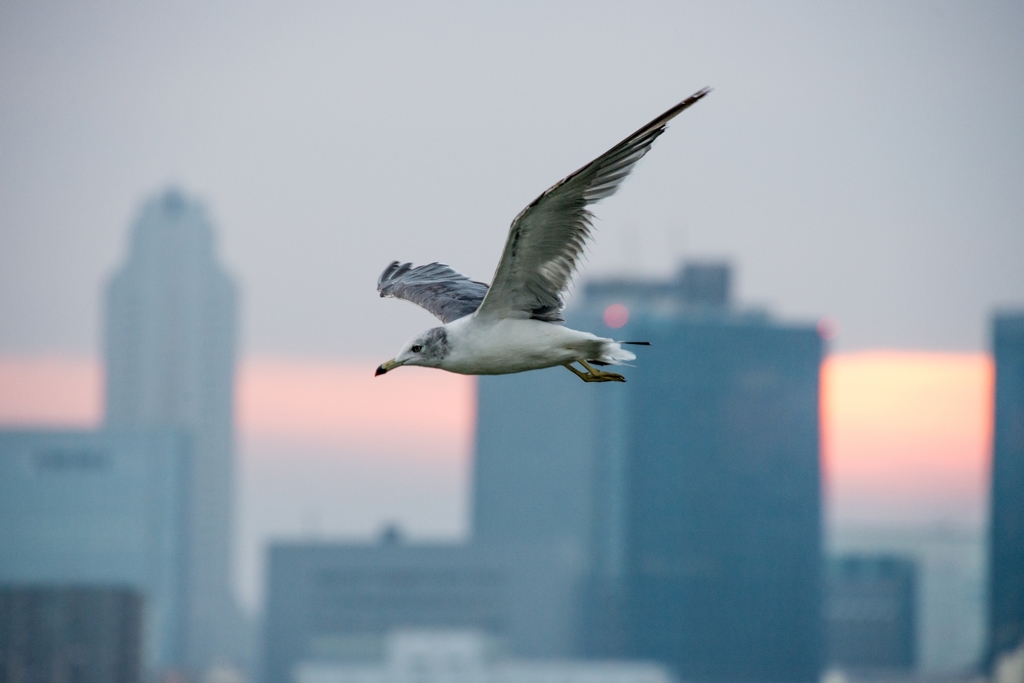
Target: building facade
85,634
533,500
1006,540
334,604
950,588
721,543
870,613
171,319
99,509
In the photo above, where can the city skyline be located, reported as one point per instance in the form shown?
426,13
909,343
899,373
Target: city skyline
332,431
327,451
196,200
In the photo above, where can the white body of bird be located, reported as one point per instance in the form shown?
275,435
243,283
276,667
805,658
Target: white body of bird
481,346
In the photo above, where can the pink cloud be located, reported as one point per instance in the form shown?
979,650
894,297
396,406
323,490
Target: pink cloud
50,391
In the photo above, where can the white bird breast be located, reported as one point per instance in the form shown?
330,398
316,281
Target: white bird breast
478,346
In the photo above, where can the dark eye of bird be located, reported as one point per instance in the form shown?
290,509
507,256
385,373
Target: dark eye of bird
417,348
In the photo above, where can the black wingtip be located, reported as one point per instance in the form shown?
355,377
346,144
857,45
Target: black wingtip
636,343
691,100
706,90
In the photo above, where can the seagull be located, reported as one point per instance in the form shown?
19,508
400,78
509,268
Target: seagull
513,325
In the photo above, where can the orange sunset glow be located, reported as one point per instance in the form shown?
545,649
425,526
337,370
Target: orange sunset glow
415,410
904,434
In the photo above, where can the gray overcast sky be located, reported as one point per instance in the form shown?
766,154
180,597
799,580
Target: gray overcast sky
861,160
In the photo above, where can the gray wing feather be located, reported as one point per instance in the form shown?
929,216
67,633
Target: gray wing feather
443,291
546,239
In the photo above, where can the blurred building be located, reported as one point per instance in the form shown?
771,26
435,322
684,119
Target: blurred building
79,634
170,362
1006,542
949,587
96,509
690,492
533,497
869,611
332,604
1008,667
473,657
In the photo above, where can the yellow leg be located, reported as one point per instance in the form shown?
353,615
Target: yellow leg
594,375
586,377
601,375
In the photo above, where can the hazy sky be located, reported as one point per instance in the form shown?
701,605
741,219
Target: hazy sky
859,160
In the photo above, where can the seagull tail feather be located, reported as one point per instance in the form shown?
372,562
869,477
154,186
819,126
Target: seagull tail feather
613,354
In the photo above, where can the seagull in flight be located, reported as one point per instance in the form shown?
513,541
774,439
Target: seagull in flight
512,325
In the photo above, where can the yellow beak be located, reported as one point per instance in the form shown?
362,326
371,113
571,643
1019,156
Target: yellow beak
385,366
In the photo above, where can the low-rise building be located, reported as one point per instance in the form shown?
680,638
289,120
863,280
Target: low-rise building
99,508
472,657
335,603
85,634
869,613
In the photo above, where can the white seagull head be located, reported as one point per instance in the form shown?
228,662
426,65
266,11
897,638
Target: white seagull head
427,349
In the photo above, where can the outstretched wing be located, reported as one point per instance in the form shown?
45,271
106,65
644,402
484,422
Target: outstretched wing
545,241
445,292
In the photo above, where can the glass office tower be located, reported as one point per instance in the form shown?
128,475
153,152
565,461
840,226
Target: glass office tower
693,488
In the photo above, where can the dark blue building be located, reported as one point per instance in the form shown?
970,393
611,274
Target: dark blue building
721,552
694,487
83,633
1006,543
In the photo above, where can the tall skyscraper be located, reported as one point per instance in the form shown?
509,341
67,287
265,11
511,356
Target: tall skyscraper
1006,542
694,488
170,362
